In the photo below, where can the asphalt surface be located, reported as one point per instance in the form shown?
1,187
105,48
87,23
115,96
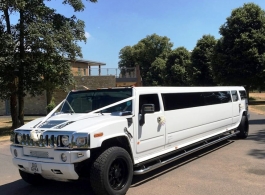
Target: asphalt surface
230,167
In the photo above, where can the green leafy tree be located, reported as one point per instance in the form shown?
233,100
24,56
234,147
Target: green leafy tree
127,60
150,50
40,42
239,56
201,67
177,66
157,72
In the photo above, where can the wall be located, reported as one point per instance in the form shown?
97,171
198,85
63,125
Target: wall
75,68
37,105
2,108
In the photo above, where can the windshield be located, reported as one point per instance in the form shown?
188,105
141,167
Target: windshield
88,101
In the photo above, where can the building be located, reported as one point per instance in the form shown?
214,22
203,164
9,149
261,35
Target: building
87,75
81,69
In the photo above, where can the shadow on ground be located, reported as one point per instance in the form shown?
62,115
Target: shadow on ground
260,138
256,102
257,122
140,179
20,187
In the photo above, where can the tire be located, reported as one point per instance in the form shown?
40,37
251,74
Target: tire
111,173
31,179
243,128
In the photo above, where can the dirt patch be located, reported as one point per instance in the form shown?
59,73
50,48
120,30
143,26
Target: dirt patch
4,138
257,96
6,124
257,105
256,110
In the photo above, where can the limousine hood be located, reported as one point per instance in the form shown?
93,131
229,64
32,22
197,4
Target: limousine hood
70,122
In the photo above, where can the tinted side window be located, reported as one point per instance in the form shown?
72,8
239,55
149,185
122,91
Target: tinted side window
243,95
234,96
149,99
174,101
216,97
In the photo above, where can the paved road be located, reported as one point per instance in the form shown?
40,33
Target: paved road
231,167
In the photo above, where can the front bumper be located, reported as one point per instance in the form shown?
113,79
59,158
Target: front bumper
59,172
50,165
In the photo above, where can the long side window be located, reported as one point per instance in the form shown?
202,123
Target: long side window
173,101
216,97
149,99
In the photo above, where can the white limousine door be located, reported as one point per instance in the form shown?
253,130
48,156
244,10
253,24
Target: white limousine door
151,135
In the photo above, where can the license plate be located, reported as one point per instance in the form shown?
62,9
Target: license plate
35,167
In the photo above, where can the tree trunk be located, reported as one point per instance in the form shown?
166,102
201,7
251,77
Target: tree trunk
247,91
21,109
21,70
49,94
13,110
13,97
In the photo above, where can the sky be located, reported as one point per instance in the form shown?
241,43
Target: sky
114,24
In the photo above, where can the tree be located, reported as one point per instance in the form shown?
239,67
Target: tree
177,66
145,53
157,73
201,57
39,39
239,56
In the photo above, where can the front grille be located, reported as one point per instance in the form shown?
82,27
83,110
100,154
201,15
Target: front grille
51,139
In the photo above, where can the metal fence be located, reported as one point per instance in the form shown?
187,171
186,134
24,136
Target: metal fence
117,72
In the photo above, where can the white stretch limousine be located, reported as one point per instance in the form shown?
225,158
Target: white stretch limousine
108,135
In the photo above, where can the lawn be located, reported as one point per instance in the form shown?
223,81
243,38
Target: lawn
6,124
257,102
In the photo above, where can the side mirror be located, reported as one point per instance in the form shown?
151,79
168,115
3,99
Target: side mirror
146,108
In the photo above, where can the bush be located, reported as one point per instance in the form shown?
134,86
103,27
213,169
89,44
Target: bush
51,105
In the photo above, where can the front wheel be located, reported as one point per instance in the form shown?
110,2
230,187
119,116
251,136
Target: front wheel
31,179
111,173
243,128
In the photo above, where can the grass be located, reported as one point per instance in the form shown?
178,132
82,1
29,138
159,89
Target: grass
6,124
252,99
257,102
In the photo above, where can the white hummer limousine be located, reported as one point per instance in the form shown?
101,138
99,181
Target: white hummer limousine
107,135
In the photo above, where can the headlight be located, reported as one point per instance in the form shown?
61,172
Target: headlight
19,138
65,140
80,140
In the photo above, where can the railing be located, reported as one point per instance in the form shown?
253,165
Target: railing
117,72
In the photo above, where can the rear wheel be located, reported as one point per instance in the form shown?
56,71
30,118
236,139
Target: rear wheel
111,173
243,128
31,179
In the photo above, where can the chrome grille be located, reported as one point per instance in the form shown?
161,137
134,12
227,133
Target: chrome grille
51,139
